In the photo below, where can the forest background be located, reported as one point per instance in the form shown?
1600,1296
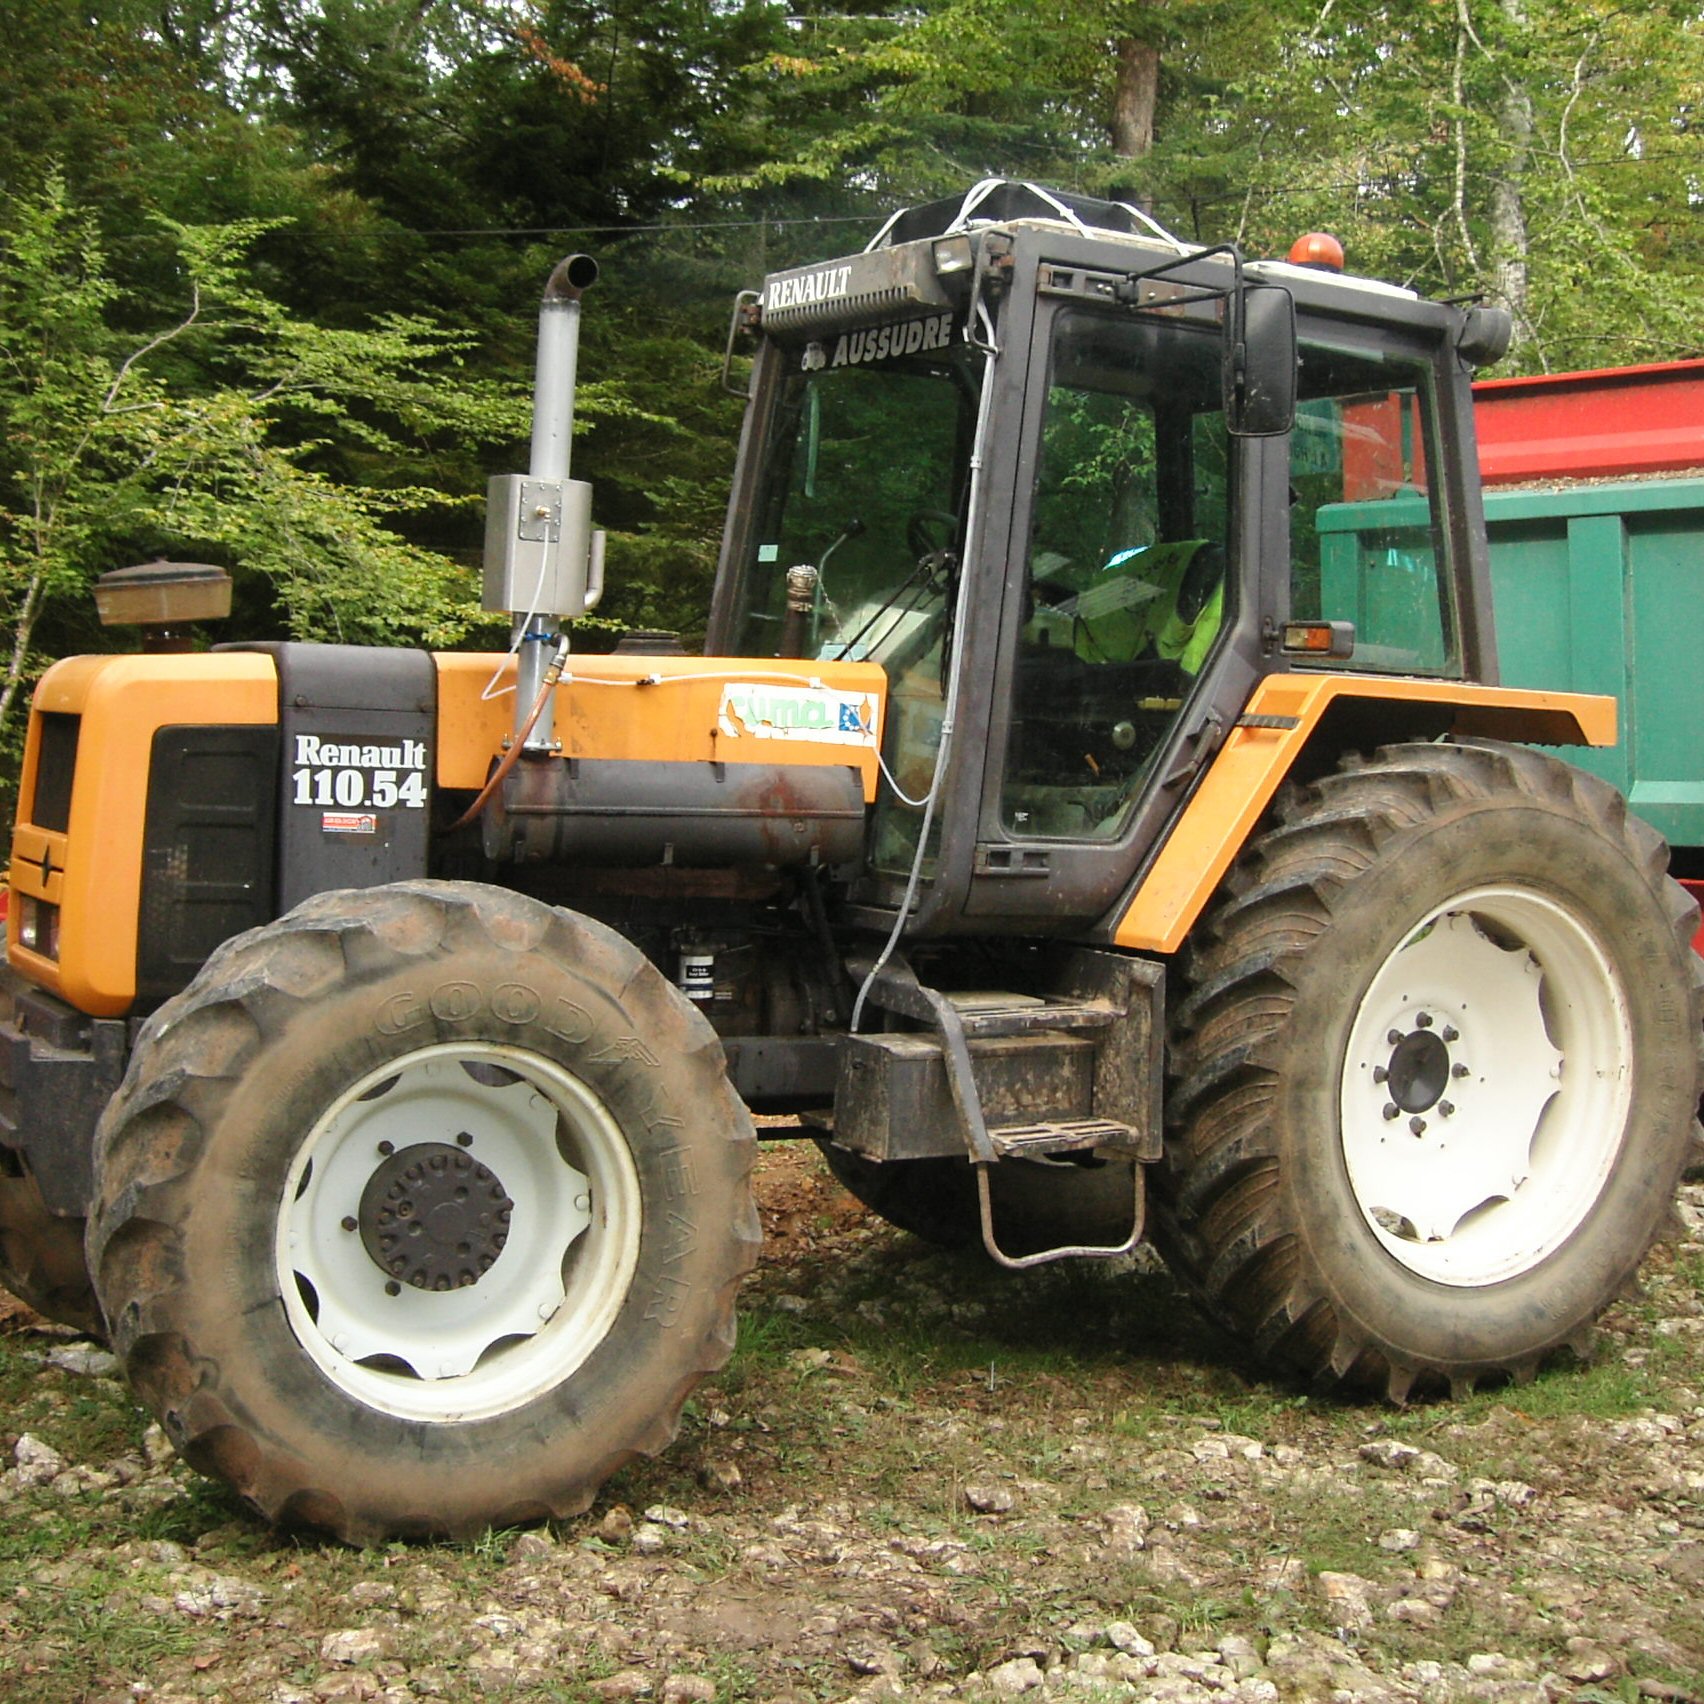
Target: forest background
269,268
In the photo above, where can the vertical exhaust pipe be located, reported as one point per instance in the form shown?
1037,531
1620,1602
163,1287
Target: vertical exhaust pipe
557,371
543,558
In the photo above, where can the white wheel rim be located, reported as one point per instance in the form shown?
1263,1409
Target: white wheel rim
1486,1086
554,1221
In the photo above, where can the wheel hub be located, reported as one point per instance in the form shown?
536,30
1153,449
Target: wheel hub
1484,1087
433,1217
458,1332
1419,1070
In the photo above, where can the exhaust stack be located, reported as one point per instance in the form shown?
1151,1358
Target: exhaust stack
558,363
543,557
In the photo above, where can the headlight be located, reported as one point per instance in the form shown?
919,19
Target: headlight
35,925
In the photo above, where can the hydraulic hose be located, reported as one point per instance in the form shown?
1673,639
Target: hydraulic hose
518,744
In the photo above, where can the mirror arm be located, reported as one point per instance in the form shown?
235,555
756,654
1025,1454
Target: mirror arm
1237,384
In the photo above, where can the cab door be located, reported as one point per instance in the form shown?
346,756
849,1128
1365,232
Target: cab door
1130,627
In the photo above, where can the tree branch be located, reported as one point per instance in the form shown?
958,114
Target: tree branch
23,630
152,344
1458,125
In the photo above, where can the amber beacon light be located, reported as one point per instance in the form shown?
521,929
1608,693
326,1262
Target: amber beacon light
1318,249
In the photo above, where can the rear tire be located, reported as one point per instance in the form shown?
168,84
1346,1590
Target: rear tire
422,1210
41,1257
1436,1070
1036,1206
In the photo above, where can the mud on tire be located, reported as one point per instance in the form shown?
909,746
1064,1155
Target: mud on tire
1435,1070
421,1211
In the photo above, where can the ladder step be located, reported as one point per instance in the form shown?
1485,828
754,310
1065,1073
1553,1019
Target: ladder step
1066,1136
1024,1014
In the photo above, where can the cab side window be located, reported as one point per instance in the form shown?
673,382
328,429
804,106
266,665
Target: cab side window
1125,572
1367,540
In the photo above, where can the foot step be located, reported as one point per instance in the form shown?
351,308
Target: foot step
1066,1136
990,1014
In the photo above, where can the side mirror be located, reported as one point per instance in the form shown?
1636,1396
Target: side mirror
1260,376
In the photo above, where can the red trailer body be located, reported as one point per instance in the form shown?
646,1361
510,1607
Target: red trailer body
1610,424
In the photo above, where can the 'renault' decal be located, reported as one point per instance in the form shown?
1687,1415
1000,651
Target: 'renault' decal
801,288
348,780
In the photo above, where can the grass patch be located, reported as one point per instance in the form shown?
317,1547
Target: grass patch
1606,1388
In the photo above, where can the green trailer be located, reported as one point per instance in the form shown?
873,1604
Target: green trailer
1592,586
1595,589
1594,510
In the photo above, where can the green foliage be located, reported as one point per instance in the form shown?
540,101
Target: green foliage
55,375
1541,152
265,211
237,431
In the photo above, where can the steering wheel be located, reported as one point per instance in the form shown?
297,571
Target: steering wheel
924,523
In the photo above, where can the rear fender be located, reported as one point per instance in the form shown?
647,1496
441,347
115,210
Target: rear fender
1299,723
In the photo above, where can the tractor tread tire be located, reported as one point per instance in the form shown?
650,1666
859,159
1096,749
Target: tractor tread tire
1225,1202
163,1158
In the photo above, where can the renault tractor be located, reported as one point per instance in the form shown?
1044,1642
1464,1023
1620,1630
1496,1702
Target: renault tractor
1094,814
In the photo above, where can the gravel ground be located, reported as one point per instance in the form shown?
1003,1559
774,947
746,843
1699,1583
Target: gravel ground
922,1480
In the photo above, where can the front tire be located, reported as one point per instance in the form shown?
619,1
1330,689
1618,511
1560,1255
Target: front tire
1436,1070
422,1210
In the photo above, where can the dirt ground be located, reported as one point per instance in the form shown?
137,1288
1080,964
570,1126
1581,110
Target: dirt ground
922,1478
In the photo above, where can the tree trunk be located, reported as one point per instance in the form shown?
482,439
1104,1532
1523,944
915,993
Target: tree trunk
1135,94
1509,243
23,631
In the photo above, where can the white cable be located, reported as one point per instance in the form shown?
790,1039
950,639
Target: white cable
1154,226
814,681
551,542
949,712
898,791
978,193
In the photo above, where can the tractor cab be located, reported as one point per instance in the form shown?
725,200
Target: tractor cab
1071,483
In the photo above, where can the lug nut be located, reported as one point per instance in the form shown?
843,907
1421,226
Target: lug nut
1458,1071
1394,1037
350,1224
1446,1109
387,1148
1423,1020
1379,1073
392,1288
1417,1125
1450,1033
465,1139
1392,1110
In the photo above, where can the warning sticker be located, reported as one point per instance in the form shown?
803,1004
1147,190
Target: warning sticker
798,713
349,822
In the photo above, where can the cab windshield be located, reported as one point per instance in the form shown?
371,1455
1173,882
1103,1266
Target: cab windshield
864,475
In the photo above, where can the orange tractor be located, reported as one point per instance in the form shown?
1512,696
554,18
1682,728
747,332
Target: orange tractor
1090,829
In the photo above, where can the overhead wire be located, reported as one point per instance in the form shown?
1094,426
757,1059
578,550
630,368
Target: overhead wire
1271,191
